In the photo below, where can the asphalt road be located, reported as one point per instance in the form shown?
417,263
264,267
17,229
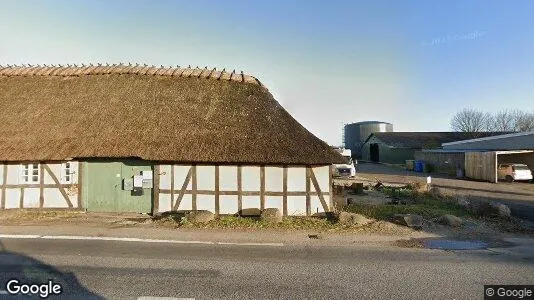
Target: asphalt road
128,270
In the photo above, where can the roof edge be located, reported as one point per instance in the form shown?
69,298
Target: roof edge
489,138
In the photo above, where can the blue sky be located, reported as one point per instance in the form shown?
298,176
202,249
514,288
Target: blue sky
411,63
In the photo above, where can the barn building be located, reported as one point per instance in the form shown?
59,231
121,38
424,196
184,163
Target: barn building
124,138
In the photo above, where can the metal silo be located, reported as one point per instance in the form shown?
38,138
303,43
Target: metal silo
355,134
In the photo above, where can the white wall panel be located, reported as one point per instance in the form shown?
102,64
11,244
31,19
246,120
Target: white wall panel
274,202
12,198
164,202
1,175
56,170
274,179
296,205
228,178
180,173
322,174
185,204
316,206
53,198
206,178
31,198
228,204
206,202
251,178
250,202
13,174
165,177
296,179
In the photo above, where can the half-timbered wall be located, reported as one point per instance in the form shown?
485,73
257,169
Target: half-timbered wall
49,191
231,189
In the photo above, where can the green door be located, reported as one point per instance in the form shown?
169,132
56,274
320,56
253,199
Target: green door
103,191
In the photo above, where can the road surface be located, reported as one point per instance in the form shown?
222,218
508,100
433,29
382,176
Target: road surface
129,270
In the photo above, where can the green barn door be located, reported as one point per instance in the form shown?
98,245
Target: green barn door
103,191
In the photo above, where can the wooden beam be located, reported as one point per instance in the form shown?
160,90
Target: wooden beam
172,183
155,200
331,187
194,187
58,185
239,189
21,198
308,196
262,187
284,193
80,182
217,204
183,189
4,183
41,186
36,185
244,193
318,190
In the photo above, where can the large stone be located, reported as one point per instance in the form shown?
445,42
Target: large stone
250,212
271,215
500,209
410,220
199,216
347,218
450,220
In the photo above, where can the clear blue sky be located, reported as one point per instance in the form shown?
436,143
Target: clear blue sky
411,63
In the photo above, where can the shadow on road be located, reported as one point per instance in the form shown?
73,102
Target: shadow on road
30,271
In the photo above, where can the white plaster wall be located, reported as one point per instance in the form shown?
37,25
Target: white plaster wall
315,204
180,174
165,177
12,198
13,174
53,198
206,178
1,175
323,178
31,198
296,179
228,204
274,179
206,202
186,203
250,202
164,202
251,179
228,178
296,205
56,170
274,202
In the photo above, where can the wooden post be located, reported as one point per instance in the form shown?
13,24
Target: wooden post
155,200
331,187
172,184
58,184
41,187
4,183
308,197
262,187
285,192
217,204
194,187
239,189
21,199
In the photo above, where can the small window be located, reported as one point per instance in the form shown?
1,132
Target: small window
29,173
66,172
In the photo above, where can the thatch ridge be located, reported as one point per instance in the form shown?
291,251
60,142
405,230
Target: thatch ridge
160,117
99,69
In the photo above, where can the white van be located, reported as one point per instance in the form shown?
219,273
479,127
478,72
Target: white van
514,172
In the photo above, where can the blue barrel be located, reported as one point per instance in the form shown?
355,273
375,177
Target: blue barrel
418,166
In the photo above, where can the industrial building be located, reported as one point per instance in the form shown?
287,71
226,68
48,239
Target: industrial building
479,158
355,134
397,147
122,138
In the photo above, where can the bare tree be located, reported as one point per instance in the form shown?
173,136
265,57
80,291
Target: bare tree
503,121
469,120
523,121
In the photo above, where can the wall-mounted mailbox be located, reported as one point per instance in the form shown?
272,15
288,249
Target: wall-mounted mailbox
137,191
127,184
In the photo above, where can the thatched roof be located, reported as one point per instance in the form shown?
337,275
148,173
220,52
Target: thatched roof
160,114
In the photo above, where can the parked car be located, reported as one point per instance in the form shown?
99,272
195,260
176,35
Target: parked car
514,172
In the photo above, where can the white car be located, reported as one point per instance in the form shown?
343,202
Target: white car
514,172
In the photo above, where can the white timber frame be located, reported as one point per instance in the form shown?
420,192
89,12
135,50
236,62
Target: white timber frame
230,189
50,191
